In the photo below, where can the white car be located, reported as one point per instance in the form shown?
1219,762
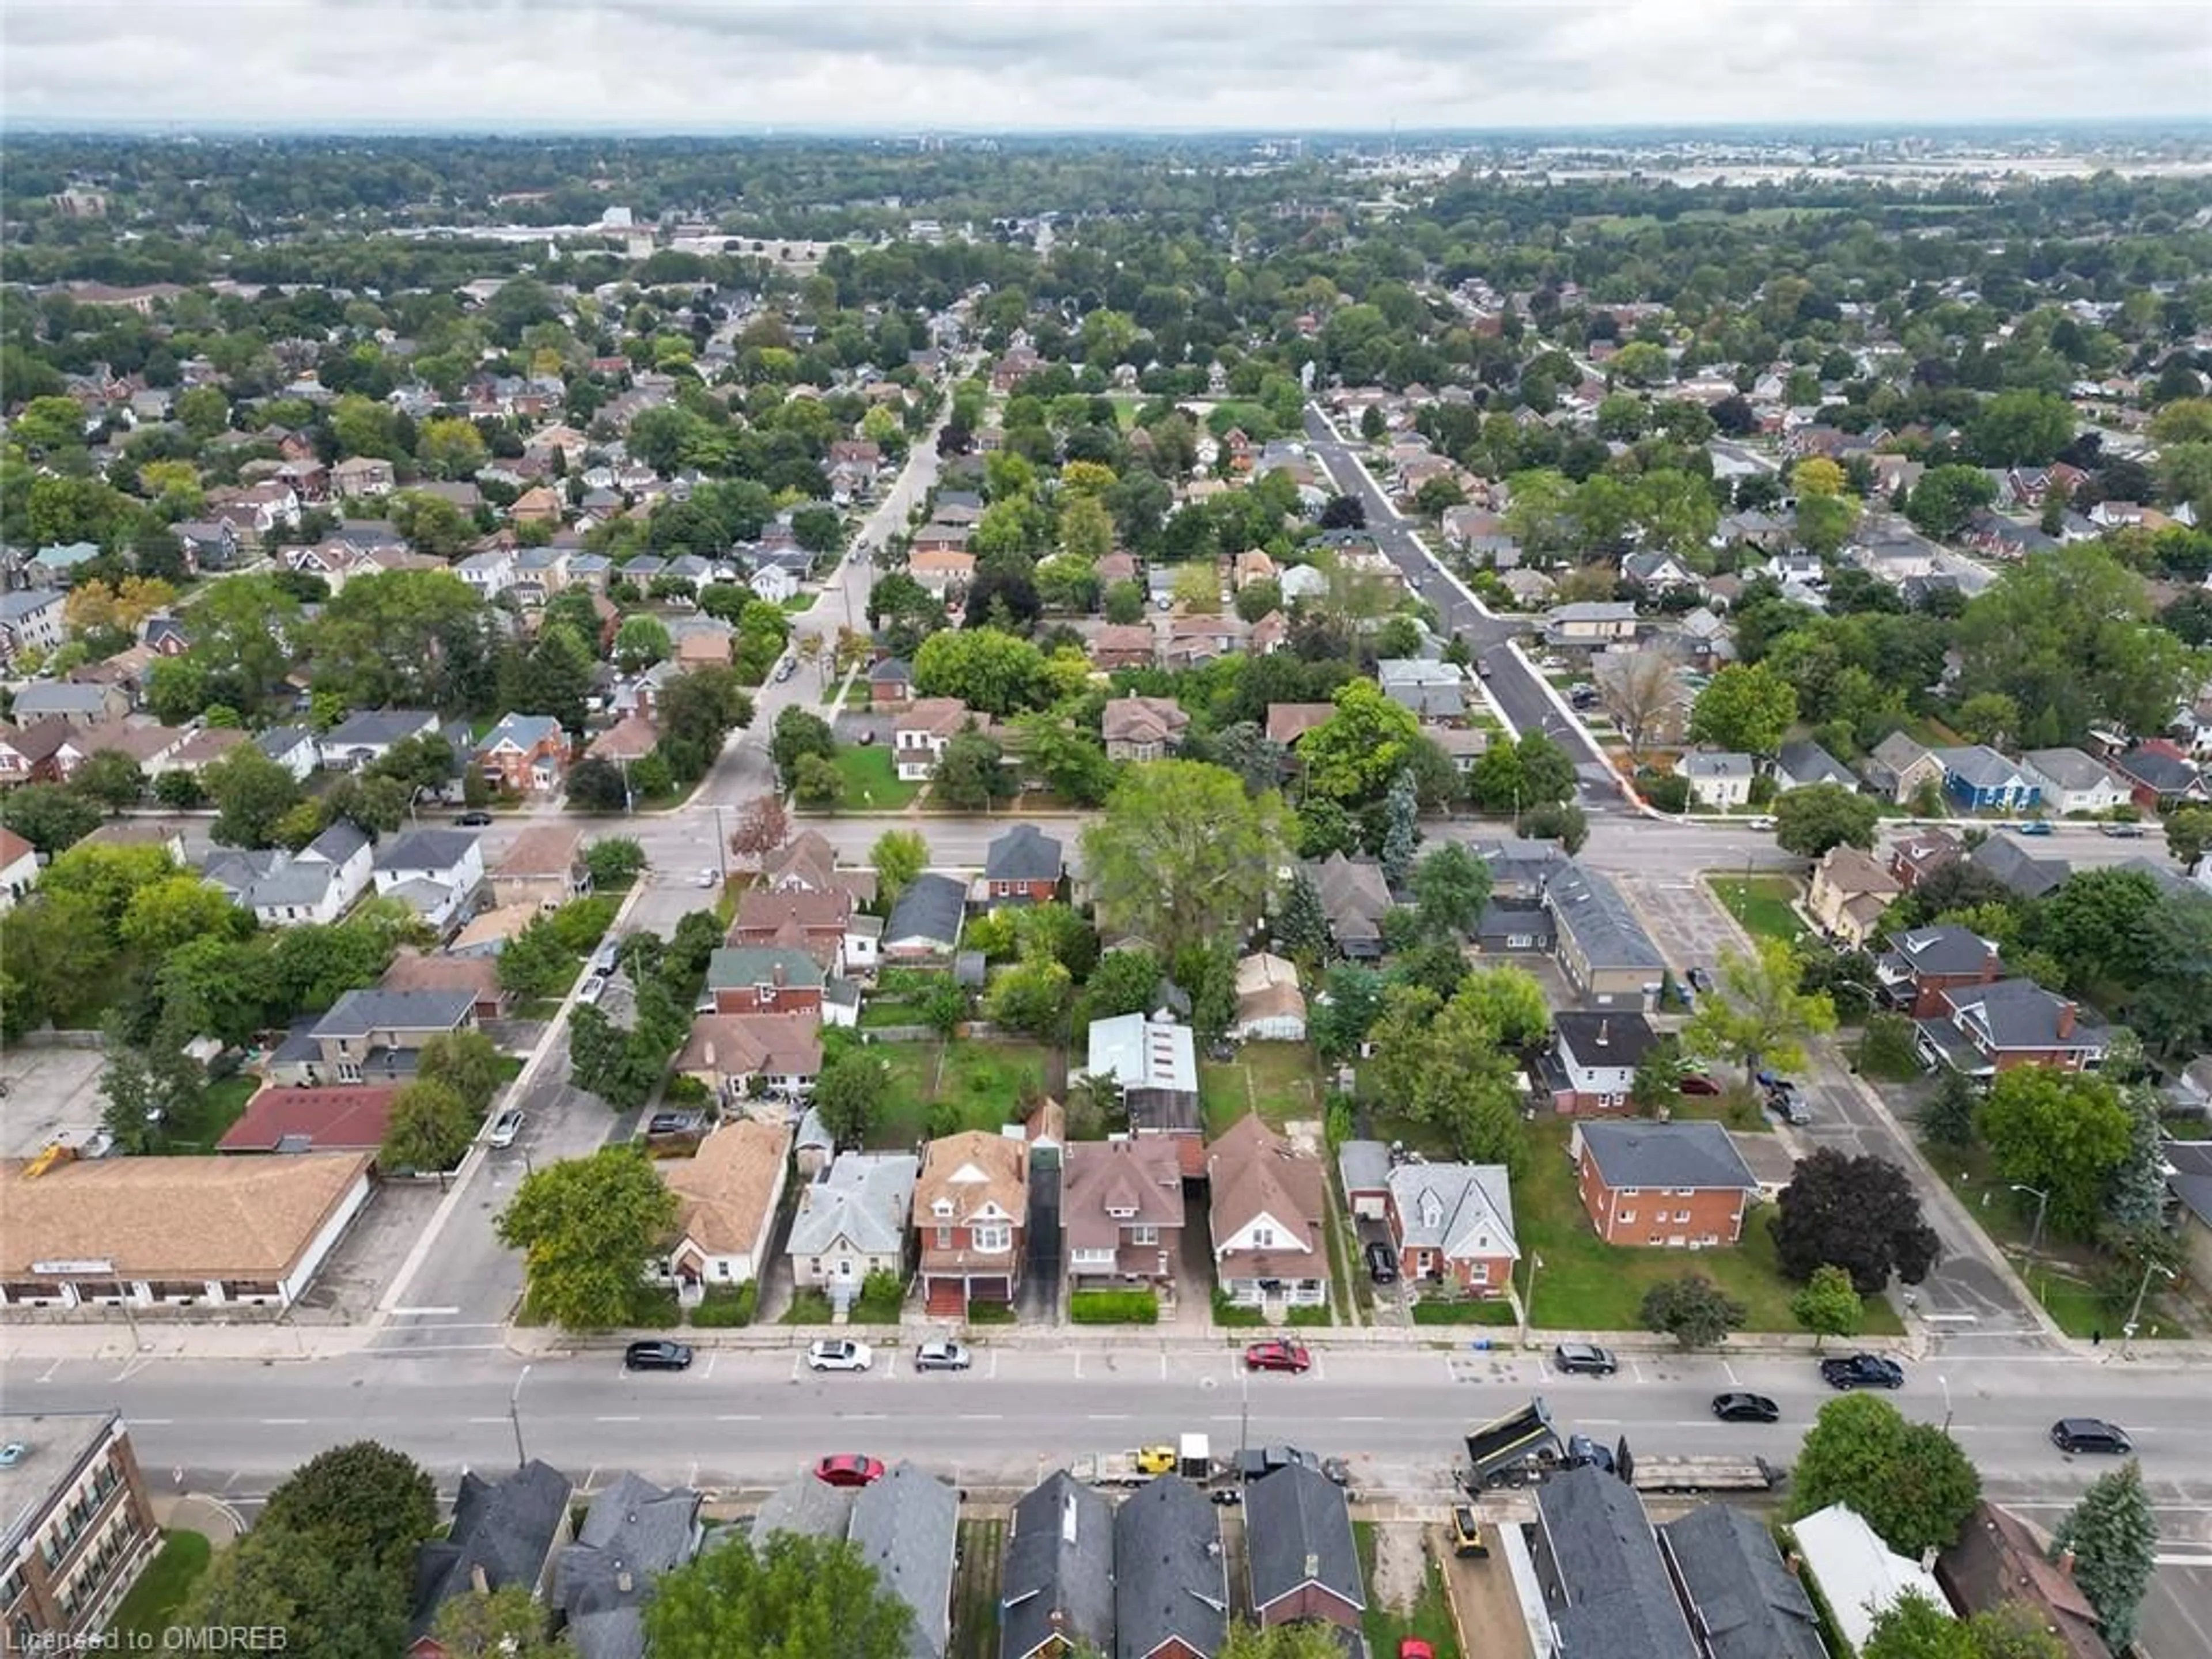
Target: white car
592,989
834,1355
710,877
505,1126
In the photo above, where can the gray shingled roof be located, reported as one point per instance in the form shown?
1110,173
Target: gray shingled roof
2017,868
1170,1581
2018,1013
1631,1154
1024,853
376,727
507,1530
426,850
1059,1560
1464,1210
1619,1601
1604,1039
359,1012
1980,766
1363,1166
863,1197
1743,1598
633,1531
1298,1530
806,1508
929,908
1945,948
1805,761
1606,931
903,1527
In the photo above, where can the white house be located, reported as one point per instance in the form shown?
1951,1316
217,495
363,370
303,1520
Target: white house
490,573
318,883
774,583
1719,780
451,858
19,867
2073,781
1859,1576
359,738
292,747
853,1220
1593,1057
727,1194
1270,1006
31,620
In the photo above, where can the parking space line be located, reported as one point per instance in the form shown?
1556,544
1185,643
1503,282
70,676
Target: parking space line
618,1419
709,1377
1729,1371
47,1375
1636,1370
1079,1365
1163,1365
994,1365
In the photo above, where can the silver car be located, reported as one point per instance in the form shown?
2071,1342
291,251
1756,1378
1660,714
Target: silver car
943,1357
506,1127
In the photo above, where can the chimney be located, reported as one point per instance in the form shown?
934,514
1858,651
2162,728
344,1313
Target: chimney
2066,1562
1605,1034
624,1583
478,1582
1793,1564
2065,1019
778,978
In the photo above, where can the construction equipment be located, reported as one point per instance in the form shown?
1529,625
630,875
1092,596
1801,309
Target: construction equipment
1517,1449
1191,1456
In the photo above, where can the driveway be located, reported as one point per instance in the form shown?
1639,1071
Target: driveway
1039,1299
53,1094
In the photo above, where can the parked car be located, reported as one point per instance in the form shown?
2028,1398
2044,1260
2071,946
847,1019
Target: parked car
1785,1101
1414,1647
1759,823
710,877
1381,1264
849,1469
1584,1453
1862,1371
1277,1354
1583,1359
604,958
943,1357
657,1356
2032,827
786,669
593,987
1738,1407
472,820
505,1126
1697,1083
832,1354
2090,1434
2123,831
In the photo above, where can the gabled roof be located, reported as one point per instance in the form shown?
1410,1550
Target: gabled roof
1353,896
1297,1531
1057,1583
1998,1560
1679,1155
1604,1039
1946,948
974,1171
1980,766
1744,1601
1803,760
543,849
1604,930
523,732
1140,1176
379,728
2069,768
2019,869
633,1531
1170,1579
1142,719
1024,853
929,908
741,1045
507,1530
1143,1054
1254,1171
1858,1574
2018,1014
425,850
740,966
726,1191
357,1013
1618,1599
903,1527
866,1199
348,1119
1463,1210
1852,872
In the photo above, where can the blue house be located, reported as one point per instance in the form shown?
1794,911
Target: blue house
1981,780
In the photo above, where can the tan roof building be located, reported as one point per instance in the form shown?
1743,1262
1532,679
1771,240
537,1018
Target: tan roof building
727,1194
1142,728
726,1052
632,738
489,929
1849,891
1121,1208
971,1208
412,970
544,865
154,1230
1267,1204
1289,721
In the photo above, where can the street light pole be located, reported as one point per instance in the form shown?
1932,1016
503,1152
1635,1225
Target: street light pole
1528,1297
514,1416
2042,1202
2134,1313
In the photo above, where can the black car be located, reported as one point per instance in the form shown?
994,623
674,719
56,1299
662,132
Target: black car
473,820
657,1356
1862,1371
2090,1434
1737,1407
1585,1358
1381,1264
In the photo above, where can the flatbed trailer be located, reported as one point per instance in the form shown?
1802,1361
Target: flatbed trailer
1711,1473
1191,1456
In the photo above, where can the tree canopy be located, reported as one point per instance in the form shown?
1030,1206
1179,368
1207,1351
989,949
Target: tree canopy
1183,856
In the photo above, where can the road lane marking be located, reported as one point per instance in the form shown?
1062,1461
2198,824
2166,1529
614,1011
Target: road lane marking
424,1313
738,1417
618,1420
709,1377
151,1422
487,1420
864,1417
1366,1419
1107,1417
47,1375
982,1417
283,1422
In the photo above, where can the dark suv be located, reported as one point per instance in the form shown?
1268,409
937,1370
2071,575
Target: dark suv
1862,1371
2090,1434
1382,1263
657,1356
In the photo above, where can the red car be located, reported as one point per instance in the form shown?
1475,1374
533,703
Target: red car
1413,1647
1277,1356
1696,1085
849,1469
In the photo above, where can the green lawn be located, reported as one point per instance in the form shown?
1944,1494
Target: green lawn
1588,1285
1430,1619
800,602
975,1589
872,782
980,1081
1761,904
211,1117
1280,1080
154,1600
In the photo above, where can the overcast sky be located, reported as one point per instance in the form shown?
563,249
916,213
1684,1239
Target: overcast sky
722,65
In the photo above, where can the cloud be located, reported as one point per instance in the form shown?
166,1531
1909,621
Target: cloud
743,65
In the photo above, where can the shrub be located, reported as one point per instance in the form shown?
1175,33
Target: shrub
725,1307
688,1091
1232,1316
1299,1318
1132,1306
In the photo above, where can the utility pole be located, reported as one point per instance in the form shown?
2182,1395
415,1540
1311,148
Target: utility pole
514,1416
2041,1202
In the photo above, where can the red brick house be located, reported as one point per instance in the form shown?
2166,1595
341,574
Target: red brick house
890,683
814,920
1913,859
1920,967
1983,1030
524,753
1998,1560
971,1210
1022,867
1451,1225
1121,1210
769,978
1672,1184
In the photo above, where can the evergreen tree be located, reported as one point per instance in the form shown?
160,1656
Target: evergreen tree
2114,1537
1301,924
1402,834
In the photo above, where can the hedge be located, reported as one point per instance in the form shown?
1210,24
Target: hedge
1123,1307
726,1308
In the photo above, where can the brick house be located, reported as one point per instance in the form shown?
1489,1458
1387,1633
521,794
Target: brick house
1451,1225
2160,776
1998,1560
1593,1059
524,753
1675,1184
1022,867
1921,855
1983,1029
775,979
971,1206
920,733
817,921
1142,728
1921,967
1121,1208
890,683
1265,1209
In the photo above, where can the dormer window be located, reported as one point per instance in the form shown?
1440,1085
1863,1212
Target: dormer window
942,1206
1120,1211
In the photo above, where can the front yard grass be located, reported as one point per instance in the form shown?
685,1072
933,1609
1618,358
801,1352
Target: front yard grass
870,780
1760,904
154,1600
1587,1285
982,1083
1430,1619
1280,1080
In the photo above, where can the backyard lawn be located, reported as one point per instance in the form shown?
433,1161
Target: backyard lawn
1431,1618
1586,1285
872,782
211,1117
1760,904
1280,1080
982,1081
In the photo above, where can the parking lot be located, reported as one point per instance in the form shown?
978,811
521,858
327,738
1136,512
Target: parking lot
53,1094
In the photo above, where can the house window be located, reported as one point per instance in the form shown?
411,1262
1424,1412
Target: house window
991,1235
1263,1238
1626,1216
1631,1192
1143,1235
348,1071
1479,1274
1681,1216
944,1238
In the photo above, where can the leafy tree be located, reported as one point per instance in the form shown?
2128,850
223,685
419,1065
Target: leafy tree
1122,981
1744,706
535,962
1181,855
147,1087
1828,1305
1301,926
1914,1627
1657,1080
466,1062
596,786
588,1228
2189,834
1304,1641
642,641
2173,1006
1809,821
1031,997
1859,1213
1757,1016
2096,926
2063,1132
2113,1534
1947,1119
1451,886
1401,830
1560,821
799,732
849,1095
988,670
251,793
899,856
363,1502
1946,497
112,778
174,909
1352,756
1445,1063
2020,429
613,859
971,773
48,816
430,1127
1909,1481
1693,1310
326,1603
787,1596
508,1623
